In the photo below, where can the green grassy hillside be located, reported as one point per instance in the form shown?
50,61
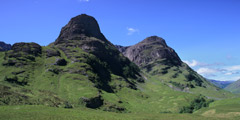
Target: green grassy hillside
234,87
183,78
46,81
222,109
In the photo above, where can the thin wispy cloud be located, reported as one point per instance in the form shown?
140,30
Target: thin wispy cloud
132,31
207,71
233,68
83,0
192,63
195,63
218,71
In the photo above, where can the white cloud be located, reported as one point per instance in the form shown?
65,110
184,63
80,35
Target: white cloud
195,63
228,73
233,68
132,31
83,0
191,64
206,71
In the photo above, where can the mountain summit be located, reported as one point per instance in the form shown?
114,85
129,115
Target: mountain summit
79,26
151,49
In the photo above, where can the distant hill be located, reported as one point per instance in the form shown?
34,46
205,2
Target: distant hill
4,46
234,87
220,84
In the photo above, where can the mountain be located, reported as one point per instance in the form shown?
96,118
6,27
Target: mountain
82,69
233,87
4,46
161,62
220,84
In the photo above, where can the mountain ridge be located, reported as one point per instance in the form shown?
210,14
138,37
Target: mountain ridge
220,84
4,46
234,87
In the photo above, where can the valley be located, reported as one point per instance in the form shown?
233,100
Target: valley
82,75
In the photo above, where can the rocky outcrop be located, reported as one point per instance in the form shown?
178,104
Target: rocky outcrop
52,52
149,50
22,53
78,27
27,48
94,102
4,46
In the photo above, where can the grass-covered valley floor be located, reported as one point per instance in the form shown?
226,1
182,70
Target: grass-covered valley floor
51,113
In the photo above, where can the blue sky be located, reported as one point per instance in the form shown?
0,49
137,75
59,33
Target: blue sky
205,33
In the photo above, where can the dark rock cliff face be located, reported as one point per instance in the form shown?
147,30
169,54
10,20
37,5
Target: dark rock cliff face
4,46
78,27
149,50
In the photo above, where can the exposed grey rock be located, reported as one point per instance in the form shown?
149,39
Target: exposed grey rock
149,50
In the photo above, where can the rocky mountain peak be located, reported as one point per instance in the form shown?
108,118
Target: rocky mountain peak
154,40
151,49
78,27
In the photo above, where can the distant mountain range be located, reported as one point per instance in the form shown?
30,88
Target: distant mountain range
4,46
220,84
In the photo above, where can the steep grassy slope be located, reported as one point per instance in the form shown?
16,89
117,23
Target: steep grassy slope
33,76
45,81
234,87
